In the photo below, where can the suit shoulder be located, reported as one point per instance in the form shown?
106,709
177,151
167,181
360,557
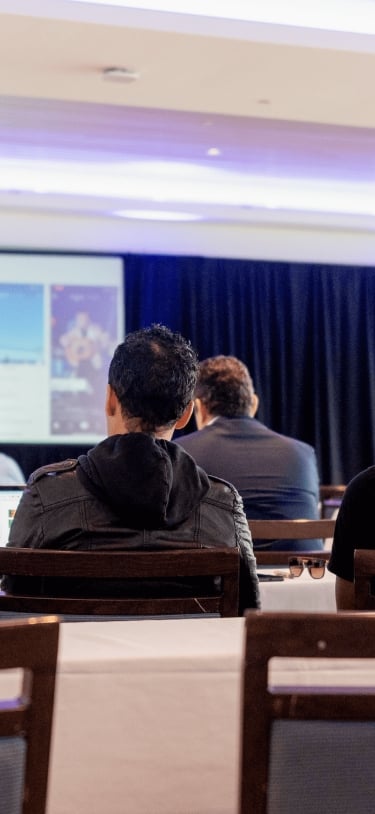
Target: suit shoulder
188,438
295,444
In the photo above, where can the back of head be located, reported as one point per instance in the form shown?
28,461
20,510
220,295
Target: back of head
153,374
224,386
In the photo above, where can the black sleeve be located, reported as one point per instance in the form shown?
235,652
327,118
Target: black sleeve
355,524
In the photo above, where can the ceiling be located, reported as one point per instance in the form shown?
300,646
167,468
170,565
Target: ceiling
221,120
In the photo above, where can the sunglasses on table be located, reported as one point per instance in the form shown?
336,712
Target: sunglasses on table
315,567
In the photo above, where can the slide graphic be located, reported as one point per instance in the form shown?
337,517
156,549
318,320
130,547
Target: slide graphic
21,324
84,331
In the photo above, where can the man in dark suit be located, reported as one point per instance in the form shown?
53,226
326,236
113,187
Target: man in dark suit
276,476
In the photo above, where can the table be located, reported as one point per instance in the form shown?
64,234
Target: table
147,715
147,712
147,718
300,594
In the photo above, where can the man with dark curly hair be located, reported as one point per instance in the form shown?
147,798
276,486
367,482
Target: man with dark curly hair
276,476
137,489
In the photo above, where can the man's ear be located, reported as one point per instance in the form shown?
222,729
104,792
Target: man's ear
254,405
202,416
186,416
110,402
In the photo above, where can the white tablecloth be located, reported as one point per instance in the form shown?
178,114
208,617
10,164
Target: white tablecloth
299,594
147,718
147,715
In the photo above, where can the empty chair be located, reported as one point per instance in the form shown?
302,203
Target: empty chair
290,530
188,581
306,750
331,496
364,579
26,720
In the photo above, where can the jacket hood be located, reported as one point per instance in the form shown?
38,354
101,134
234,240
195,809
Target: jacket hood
149,483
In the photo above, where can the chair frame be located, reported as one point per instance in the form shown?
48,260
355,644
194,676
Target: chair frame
294,635
364,575
138,565
290,530
331,496
31,644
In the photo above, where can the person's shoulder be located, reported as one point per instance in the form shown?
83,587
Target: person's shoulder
190,437
365,475
181,440
293,444
57,468
362,482
305,449
222,491
198,437
193,441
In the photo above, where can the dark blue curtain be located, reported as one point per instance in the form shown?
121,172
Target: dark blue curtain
307,333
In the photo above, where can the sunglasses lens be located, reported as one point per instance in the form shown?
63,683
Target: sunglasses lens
295,567
317,569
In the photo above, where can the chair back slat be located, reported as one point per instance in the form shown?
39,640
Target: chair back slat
321,529
148,568
291,529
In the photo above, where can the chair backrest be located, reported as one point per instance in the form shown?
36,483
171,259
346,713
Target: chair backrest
331,496
26,720
364,579
302,749
289,530
147,568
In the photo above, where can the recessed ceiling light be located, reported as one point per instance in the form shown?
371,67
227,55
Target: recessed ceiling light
117,74
155,214
213,151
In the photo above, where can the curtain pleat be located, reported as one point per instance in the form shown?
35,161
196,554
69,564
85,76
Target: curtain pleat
306,331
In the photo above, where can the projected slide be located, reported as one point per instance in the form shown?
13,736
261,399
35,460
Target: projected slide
61,318
21,324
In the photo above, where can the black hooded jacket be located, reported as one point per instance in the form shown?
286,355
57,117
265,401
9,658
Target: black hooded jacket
133,491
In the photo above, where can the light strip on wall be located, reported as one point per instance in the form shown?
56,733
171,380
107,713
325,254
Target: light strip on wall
179,184
156,214
355,16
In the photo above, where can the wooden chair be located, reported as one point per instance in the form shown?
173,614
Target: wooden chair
364,579
289,530
331,496
26,720
148,567
306,750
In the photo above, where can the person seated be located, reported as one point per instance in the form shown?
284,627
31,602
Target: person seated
276,476
353,529
10,472
137,489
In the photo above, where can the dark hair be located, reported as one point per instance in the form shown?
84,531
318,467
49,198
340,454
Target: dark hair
225,386
153,374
